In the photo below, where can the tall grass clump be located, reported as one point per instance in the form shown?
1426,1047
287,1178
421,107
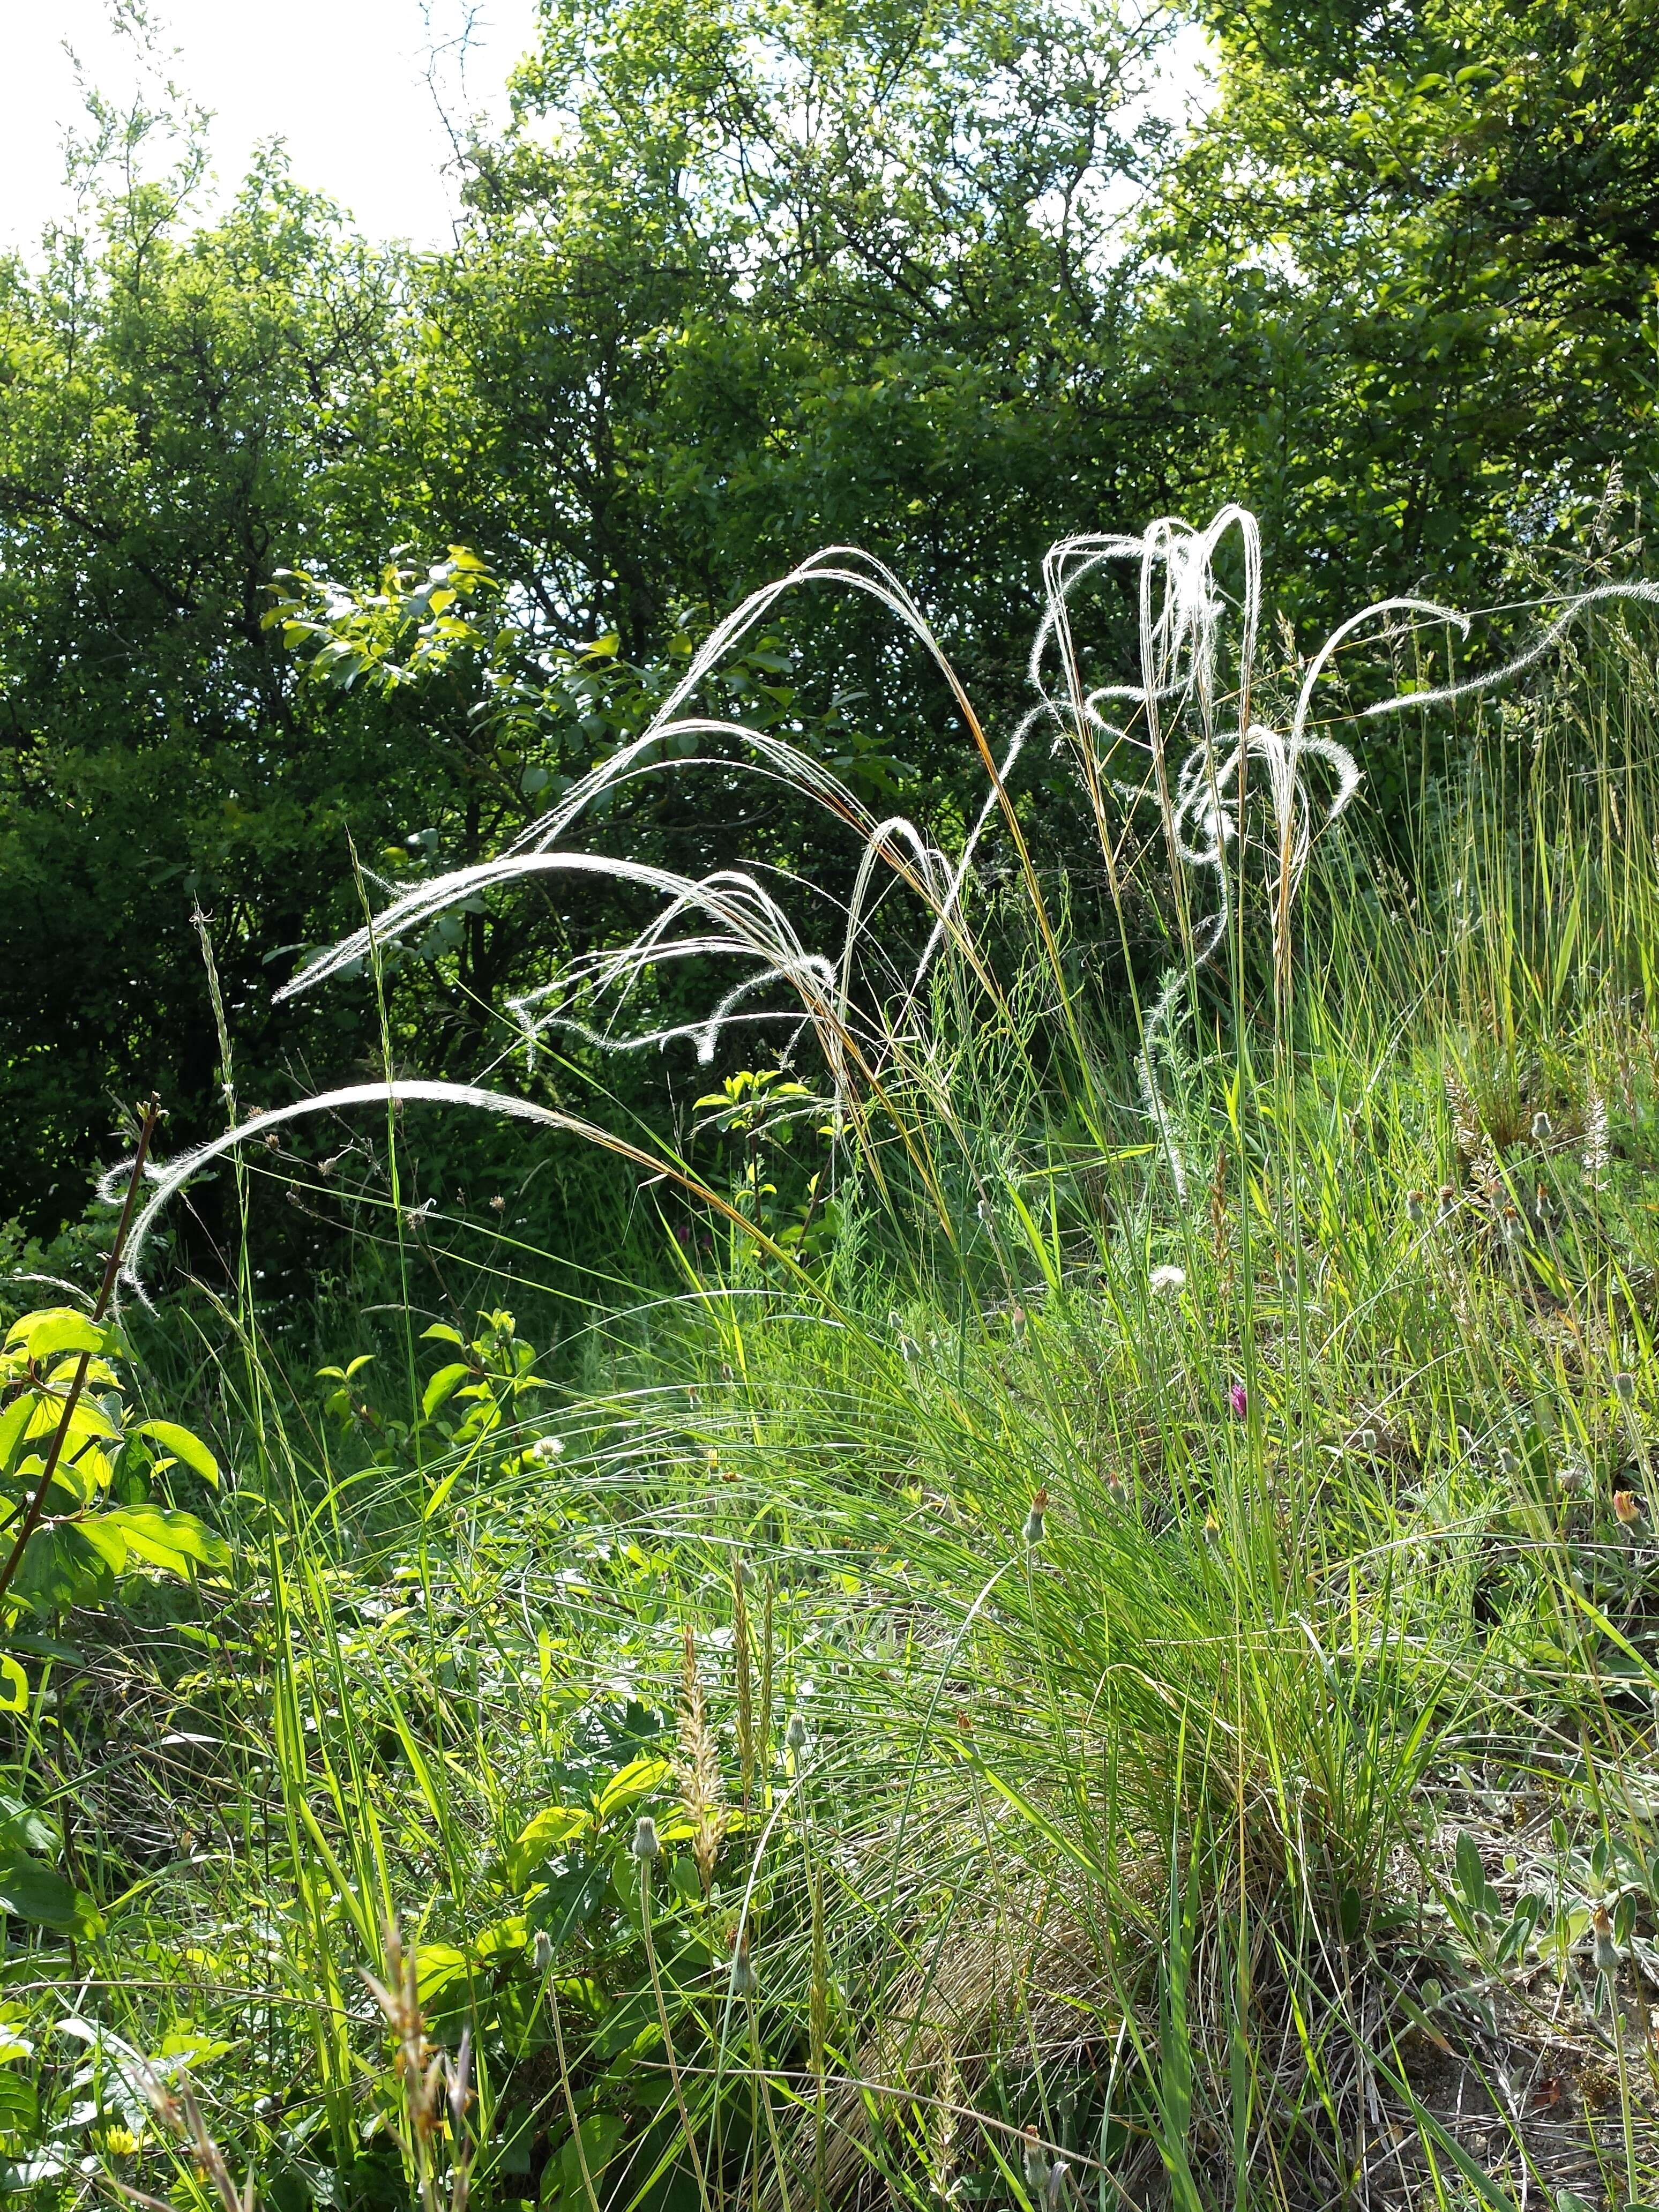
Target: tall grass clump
1098,1643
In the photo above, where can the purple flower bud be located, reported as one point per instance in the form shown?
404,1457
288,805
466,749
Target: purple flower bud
1238,1400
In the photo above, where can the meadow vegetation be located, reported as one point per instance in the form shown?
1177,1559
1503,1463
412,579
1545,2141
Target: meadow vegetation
862,1407
1092,1639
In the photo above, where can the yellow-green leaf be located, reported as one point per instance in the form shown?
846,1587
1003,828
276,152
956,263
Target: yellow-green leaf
182,1444
55,1328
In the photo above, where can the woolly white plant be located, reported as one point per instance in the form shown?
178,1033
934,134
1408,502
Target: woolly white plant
1188,714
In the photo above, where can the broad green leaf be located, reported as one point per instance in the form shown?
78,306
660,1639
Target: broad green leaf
436,1965
540,1836
14,1685
635,1780
19,2113
57,1329
182,1444
172,1540
35,1891
443,1385
14,1423
504,1940
441,1333
24,1827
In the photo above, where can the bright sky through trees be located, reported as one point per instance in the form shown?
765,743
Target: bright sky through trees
343,81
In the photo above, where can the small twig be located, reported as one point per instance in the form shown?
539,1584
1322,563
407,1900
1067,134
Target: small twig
36,1503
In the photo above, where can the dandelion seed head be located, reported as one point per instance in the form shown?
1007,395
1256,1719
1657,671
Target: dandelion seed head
1167,1279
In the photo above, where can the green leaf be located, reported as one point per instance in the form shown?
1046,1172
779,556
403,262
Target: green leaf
23,1827
57,1329
631,1782
32,1891
182,1444
443,1385
540,1836
171,1540
441,1333
436,1965
1471,1874
435,1503
563,2189
20,2111
14,1423
14,1685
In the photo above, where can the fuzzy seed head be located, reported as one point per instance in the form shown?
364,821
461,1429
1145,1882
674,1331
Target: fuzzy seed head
1543,1128
645,1845
1166,1281
794,1735
1624,1388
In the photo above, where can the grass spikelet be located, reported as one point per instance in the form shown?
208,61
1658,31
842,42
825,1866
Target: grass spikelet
697,1769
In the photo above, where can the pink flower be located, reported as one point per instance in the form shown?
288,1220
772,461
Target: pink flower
1238,1400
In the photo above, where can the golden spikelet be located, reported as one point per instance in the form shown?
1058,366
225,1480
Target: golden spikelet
697,1769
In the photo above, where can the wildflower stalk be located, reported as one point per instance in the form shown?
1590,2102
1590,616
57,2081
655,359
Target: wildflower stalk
745,1689
646,1859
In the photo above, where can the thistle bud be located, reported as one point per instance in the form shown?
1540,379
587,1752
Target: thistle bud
1417,1208
645,1846
1543,1128
1508,1464
745,1980
541,1951
795,1734
1624,1388
1032,1532
1038,2172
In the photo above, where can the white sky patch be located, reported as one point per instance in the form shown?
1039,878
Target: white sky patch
344,83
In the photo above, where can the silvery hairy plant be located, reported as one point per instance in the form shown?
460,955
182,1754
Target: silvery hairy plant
1181,736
